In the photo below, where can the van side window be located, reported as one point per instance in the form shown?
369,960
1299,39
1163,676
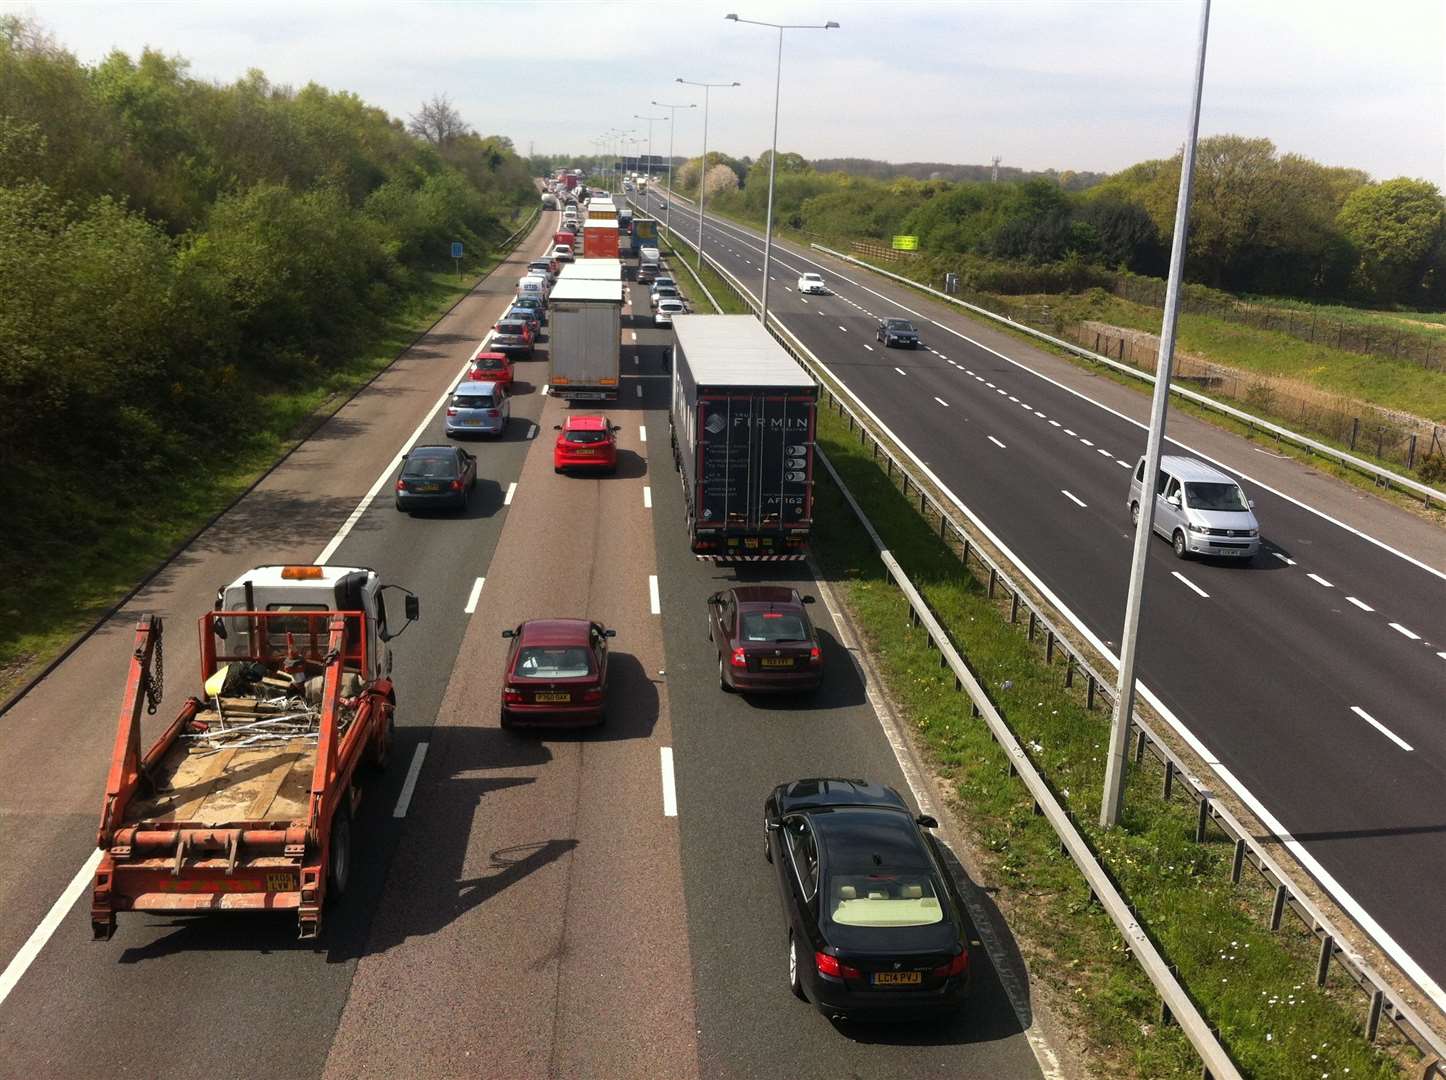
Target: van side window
1140,471
1173,491
1160,481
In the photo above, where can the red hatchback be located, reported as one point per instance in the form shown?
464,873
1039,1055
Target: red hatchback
491,367
557,673
765,639
586,442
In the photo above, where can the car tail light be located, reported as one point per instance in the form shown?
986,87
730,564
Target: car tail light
511,697
493,413
740,660
401,485
815,655
451,411
593,696
958,966
455,485
831,965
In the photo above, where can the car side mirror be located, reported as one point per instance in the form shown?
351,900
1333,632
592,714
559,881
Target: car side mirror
509,633
806,598
556,427
610,633
926,821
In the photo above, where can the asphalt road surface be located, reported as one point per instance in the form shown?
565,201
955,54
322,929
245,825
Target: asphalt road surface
530,907
1316,676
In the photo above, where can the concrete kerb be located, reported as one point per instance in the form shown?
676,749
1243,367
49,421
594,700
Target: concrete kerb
505,249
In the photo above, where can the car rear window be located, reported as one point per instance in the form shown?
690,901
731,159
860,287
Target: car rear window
435,467
553,662
586,437
883,899
512,328
473,401
1204,496
772,626
491,363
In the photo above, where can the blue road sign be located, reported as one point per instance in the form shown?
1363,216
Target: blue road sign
456,249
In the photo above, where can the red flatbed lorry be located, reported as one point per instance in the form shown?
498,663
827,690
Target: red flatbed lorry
246,801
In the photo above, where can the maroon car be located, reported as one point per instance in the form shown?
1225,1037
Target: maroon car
556,674
765,639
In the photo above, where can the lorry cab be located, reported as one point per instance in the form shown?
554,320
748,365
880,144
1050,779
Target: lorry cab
308,589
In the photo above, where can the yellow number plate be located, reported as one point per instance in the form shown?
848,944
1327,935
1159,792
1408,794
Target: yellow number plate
776,661
547,698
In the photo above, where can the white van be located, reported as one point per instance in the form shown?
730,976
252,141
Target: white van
1199,509
534,285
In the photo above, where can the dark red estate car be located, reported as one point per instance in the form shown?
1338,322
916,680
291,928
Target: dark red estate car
586,442
556,674
765,640
491,367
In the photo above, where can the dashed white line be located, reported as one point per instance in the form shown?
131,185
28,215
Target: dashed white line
789,288
997,443
1320,580
1360,604
1282,558
941,401
1086,441
1404,632
977,378
531,430
990,385
1039,414
670,786
639,389
1106,453
633,334
409,785
1072,497
998,390
868,346
473,596
1442,655
969,371
1382,728
901,371
1054,423
1122,463
642,433
1191,584
1015,399
511,491
653,603
647,497
845,329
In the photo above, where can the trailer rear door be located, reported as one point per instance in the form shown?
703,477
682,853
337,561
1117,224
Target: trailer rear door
755,461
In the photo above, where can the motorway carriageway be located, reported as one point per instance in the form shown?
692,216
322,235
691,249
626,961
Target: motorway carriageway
579,905
1315,678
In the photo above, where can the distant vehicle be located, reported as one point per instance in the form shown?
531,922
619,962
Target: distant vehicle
650,265
564,236
512,336
478,408
662,281
584,341
900,332
556,673
1199,509
667,308
527,314
876,926
663,292
645,234
586,442
549,201
812,283
535,285
765,640
492,367
562,253
436,476
549,267
532,304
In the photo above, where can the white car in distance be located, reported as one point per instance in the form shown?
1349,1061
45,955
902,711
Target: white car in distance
812,283
562,253
667,308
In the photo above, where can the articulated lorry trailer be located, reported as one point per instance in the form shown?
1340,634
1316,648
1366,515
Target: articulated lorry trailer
585,331
246,801
742,422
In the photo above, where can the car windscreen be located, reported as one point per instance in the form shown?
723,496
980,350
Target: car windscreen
664,283
473,401
898,324
586,437
434,467
771,626
1203,496
553,662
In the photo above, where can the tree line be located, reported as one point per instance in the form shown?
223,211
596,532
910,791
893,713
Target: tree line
1261,222
175,254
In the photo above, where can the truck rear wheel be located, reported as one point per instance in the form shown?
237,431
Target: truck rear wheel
381,750
338,852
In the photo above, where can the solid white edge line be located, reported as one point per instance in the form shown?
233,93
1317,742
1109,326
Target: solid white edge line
511,491
642,433
1403,631
1191,584
868,346
409,785
474,596
1360,604
1072,497
38,938
647,497
653,602
941,401
997,443
670,785
1382,728
1320,581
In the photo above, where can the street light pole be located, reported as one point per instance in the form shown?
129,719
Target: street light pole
703,165
1112,802
672,127
649,119
773,155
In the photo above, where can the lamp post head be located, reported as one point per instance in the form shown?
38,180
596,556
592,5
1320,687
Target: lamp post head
830,26
733,17
678,79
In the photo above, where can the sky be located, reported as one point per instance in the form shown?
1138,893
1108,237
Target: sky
1088,85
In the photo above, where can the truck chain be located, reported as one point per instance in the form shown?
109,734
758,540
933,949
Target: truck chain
156,679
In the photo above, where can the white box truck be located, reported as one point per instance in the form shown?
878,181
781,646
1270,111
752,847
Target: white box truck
585,337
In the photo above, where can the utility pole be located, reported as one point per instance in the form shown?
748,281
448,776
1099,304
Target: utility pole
672,124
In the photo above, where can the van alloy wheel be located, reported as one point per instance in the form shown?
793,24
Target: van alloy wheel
1181,551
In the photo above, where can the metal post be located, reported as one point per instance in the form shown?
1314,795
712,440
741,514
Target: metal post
702,176
772,168
1112,801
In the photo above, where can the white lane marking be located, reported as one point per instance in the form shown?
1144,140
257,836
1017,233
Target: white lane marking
941,401
531,430
1072,497
1122,463
1026,405
1106,453
789,288
653,603
868,346
1054,423
845,329
647,497
1282,558
473,596
1015,399
943,357
1404,632
642,433
901,371
978,378
991,385
1320,580
1086,442
48,925
633,334
639,389
1442,655
969,371
670,786
409,785
637,360
802,300
1191,584
1072,434
997,443
1039,414
999,390
511,491
1360,604
1382,728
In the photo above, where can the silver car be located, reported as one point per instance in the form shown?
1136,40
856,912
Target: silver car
478,408
1199,509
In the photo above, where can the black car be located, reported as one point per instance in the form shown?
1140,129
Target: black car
897,332
876,926
435,477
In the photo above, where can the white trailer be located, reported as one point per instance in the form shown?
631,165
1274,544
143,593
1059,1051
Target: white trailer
585,337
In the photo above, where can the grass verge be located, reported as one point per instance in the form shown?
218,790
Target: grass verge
1254,985
722,292
48,604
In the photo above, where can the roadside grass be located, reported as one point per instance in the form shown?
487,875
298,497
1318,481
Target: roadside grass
1255,986
727,299
50,601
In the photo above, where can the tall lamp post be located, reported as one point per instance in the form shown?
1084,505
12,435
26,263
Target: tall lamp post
672,125
773,156
703,162
649,119
1112,802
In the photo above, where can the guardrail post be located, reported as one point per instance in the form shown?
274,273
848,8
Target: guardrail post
1014,607
1202,818
889,468
1049,647
993,576
1169,782
964,558
1033,618
1373,1018
1323,965
1141,741
1068,669
1238,863
906,481
1277,909
1090,693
